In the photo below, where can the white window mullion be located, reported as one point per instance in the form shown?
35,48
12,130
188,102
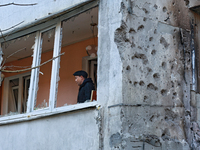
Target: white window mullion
55,67
5,96
34,76
37,70
26,90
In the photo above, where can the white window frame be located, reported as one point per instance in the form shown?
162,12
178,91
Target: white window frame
51,110
6,91
35,72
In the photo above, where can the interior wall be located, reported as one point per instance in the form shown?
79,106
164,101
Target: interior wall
23,62
71,61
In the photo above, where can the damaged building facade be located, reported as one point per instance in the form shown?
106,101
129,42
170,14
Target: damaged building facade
143,56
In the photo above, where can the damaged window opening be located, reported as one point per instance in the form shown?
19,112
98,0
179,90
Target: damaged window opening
17,56
17,87
44,72
42,64
79,36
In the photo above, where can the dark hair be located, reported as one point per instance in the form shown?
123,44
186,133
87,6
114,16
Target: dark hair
81,73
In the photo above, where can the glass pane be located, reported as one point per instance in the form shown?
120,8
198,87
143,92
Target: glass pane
14,82
26,85
15,93
13,97
47,45
78,33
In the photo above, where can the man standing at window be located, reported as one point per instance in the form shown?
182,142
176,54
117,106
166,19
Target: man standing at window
85,86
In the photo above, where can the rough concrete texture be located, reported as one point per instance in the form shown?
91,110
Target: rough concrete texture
144,77
152,56
109,71
153,41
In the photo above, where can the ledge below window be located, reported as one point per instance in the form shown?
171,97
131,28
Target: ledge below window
45,112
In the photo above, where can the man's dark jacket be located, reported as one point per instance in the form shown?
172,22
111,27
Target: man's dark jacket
85,90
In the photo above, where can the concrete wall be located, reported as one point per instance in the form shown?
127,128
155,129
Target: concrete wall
193,3
153,70
109,81
73,130
146,96
144,78
29,14
78,130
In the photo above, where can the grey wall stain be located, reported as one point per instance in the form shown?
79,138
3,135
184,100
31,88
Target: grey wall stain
115,140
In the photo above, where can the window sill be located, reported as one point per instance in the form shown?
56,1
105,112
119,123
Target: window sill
45,113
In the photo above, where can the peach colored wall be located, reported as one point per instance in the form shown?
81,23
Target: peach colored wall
23,62
44,79
70,62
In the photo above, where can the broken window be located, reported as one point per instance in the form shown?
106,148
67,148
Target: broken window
26,84
13,97
17,93
38,75
78,33
17,55
46,53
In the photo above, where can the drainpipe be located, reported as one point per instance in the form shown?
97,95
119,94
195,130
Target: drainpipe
193,71
193,56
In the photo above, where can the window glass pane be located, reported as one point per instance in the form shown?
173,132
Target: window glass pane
79,32
26,80
13,96
17,57
14,83
47,44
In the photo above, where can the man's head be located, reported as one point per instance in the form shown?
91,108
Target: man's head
80,76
